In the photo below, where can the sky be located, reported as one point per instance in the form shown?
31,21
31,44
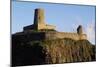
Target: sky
66,17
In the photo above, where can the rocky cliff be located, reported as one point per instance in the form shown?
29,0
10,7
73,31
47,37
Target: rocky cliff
55,51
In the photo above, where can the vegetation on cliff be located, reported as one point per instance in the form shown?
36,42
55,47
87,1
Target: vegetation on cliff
52,51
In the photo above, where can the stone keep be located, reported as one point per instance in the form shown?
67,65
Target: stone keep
39,22
39,17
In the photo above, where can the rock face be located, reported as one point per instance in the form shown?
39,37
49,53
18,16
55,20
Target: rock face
68,51
36,52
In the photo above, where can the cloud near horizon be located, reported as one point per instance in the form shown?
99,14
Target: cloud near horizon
90,31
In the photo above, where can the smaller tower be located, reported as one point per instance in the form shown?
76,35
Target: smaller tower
80,30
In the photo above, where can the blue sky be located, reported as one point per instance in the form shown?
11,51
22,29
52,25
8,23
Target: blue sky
65,17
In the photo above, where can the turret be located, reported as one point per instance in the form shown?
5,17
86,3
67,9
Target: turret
80,30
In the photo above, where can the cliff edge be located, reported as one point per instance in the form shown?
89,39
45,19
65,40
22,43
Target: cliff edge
52,52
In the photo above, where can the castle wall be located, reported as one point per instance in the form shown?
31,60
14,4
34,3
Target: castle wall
50,27
74,36
41,26
44,26
30,36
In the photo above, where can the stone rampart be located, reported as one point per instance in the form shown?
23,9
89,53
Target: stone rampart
56,35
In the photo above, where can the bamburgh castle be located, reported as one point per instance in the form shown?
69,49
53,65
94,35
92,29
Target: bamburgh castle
45,31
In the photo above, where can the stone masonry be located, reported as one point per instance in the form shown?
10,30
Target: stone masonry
39,24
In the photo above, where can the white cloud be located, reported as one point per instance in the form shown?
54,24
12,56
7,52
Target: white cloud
90,31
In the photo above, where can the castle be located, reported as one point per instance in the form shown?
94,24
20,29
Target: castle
40,25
